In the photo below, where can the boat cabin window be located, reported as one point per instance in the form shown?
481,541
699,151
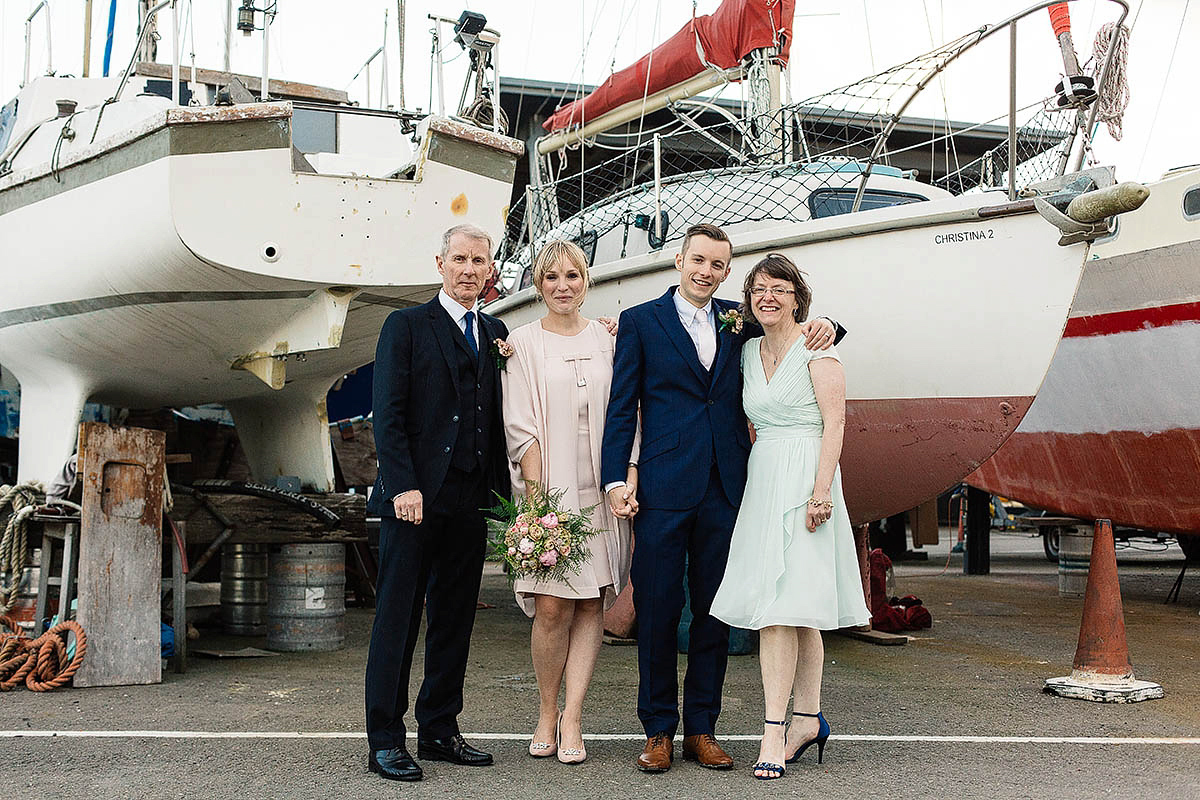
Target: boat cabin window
831,202
8,120
587,243
314,131
1191,198
163,89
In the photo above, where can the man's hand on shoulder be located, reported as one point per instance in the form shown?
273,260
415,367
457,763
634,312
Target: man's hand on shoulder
818,333
409,506
609,323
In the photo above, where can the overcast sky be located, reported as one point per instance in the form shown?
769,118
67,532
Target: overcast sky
326,42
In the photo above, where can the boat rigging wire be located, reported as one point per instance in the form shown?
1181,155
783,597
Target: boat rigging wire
1162,92
945,107
867,27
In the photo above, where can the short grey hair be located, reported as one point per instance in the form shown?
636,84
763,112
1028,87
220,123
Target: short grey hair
471,232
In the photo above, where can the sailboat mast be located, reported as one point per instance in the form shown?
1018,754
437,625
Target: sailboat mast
87,36
228,34
763,102
400,31
148,49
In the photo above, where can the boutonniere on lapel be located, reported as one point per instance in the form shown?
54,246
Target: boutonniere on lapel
731,321
502,351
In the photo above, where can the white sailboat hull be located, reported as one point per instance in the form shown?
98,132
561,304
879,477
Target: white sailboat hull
952,325
189,263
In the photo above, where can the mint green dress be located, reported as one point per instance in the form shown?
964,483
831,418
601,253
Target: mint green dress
778,572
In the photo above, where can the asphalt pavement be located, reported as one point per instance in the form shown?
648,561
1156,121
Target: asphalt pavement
957,712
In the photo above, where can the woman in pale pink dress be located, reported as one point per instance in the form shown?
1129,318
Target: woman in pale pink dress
556,387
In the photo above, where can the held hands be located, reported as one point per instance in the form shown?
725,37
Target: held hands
818,333
623,499
818,510
410,507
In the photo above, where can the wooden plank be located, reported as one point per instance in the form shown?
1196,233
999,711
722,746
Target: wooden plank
289,90
1050,522
260,520
870,636
120,554
924,523
179,598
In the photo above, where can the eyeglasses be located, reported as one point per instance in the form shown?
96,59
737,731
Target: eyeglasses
773,291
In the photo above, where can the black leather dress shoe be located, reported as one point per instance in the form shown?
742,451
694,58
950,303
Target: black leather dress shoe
395,765
453,749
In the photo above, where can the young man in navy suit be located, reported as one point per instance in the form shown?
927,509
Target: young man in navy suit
674,363
440,440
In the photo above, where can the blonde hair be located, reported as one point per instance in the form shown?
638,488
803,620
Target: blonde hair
552,253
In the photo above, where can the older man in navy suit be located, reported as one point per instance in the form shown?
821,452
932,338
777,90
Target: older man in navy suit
440,441
674,362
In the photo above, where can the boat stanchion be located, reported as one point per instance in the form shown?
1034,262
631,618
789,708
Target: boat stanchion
1102,672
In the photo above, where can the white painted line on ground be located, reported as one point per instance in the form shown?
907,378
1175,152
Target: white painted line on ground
596,737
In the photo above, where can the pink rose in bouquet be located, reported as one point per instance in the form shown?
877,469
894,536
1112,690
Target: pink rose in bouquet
538,538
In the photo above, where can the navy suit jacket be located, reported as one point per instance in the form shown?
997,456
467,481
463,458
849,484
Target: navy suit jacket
690,419
416,399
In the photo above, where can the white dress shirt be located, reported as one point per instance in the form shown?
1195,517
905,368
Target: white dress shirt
459,314
700,323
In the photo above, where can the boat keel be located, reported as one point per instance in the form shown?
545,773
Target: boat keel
51,404
287,433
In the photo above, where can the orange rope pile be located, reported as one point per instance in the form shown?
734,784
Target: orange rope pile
41,663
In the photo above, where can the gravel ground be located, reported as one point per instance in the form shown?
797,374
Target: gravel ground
977,673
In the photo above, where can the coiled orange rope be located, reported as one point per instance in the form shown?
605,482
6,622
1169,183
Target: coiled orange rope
41,663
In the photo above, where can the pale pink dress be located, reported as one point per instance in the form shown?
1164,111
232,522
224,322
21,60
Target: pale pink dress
556,393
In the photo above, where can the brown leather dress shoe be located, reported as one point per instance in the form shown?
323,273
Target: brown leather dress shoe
704,748
657,754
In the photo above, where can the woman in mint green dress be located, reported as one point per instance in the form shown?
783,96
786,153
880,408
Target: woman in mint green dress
792,569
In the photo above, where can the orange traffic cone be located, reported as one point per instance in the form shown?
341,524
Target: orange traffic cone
1102,672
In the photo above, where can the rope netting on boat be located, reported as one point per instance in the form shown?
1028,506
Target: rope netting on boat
817,157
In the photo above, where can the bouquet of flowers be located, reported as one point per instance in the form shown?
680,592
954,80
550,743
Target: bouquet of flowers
539,539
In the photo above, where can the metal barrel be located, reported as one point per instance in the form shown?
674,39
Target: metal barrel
244,589
1074,560
306,597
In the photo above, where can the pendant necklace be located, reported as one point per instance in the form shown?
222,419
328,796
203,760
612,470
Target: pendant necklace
786,347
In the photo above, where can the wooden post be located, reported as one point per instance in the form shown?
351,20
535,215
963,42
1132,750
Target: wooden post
179,598
120,554
924,522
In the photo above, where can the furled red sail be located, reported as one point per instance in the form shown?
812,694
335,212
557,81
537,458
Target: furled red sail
725,37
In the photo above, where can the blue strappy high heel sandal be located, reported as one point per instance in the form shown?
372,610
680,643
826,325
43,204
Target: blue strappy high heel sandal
820,739
767,766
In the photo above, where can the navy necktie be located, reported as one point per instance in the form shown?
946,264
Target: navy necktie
469,319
